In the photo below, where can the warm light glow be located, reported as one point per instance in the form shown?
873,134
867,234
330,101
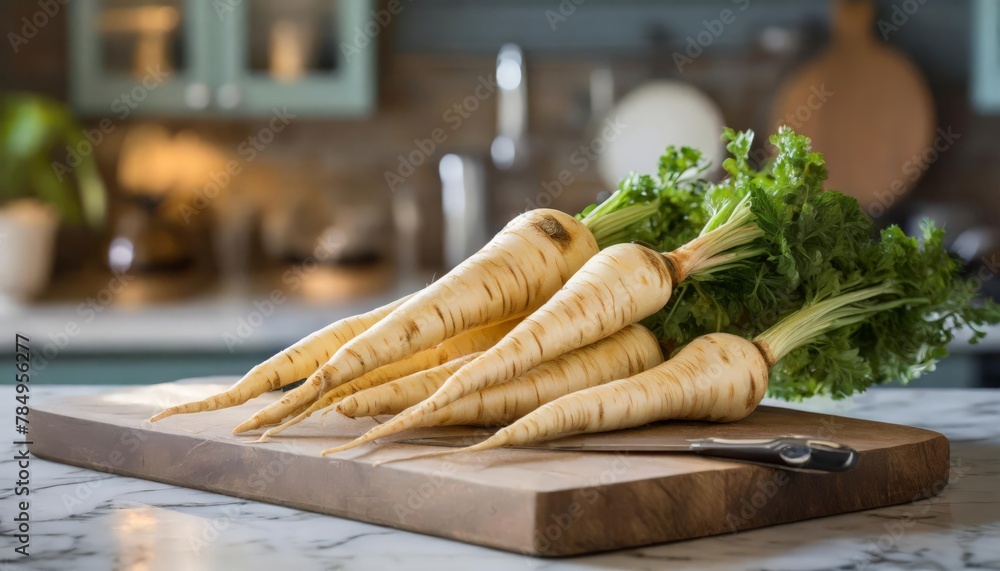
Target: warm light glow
152,26
328,284
136,532
142,19
161,396
137,520
153,162
288,60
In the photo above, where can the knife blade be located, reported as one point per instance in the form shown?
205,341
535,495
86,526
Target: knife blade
797,453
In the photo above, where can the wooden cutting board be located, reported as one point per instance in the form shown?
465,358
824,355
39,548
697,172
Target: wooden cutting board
866,108
540,503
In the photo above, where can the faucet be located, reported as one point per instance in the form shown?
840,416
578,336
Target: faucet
508,147
464,196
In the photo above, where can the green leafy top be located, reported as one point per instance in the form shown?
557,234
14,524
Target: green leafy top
662,211
842,308
828,254
915,300
807,246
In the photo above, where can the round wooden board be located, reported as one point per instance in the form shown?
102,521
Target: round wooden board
865,107
654,116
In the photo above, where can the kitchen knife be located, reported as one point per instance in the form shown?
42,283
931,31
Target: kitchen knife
798,453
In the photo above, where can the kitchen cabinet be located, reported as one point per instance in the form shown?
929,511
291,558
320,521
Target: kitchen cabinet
151,56
986,56
223,57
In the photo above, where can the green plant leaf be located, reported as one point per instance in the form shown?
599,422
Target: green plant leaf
33,131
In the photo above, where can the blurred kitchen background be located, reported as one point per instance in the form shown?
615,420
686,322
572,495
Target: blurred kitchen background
187,186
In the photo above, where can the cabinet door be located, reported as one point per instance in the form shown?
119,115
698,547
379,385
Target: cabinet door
315,57
140,56
986,56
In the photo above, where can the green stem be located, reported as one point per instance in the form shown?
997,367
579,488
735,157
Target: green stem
807,324
719,244
720,247
733,214
679,294
726,261
610,204
609,229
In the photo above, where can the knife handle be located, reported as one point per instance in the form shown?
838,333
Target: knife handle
789,452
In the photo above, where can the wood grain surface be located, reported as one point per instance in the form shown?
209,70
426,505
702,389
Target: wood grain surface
865,107
541,503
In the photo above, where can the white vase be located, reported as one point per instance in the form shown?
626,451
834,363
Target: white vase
27,244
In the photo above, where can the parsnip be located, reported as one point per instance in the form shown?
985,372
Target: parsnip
620,285
299,399
528,261
292,364
370,382
718,377
395,396
627,352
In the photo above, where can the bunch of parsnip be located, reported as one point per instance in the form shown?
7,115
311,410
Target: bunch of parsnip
761,281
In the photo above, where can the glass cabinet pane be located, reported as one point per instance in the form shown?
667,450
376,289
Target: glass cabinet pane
288,54
155,56
233,57
291,39
137,36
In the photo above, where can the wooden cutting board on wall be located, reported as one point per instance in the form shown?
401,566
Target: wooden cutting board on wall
541,503
866,108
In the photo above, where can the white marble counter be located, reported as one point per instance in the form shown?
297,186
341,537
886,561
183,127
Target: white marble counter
85,520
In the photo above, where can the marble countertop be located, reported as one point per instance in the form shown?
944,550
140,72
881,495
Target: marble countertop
86,520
